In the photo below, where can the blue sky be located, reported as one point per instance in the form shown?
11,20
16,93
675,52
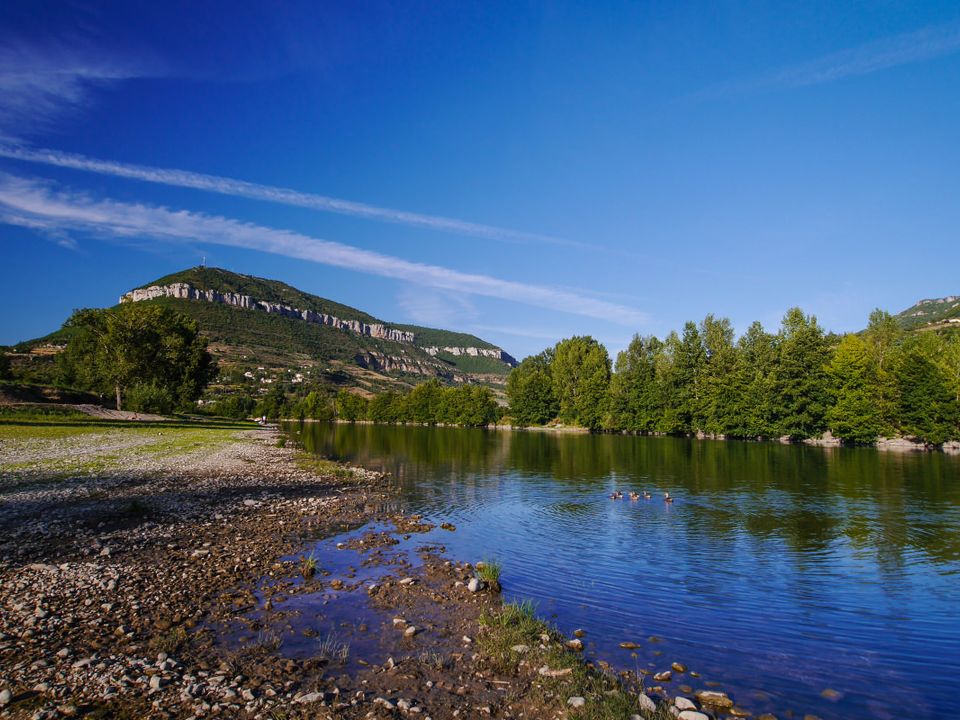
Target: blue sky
524,172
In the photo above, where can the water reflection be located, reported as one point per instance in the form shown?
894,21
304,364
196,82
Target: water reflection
781,570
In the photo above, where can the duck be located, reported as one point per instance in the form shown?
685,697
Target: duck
646,495
667,498
616,495
634,496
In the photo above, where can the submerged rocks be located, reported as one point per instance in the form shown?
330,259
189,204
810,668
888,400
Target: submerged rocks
714,699
629,645
665,676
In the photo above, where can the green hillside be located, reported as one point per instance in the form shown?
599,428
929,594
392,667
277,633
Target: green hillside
256,349
931,313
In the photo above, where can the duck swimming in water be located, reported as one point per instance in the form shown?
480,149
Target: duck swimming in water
646,495
616,495
667,498
634,496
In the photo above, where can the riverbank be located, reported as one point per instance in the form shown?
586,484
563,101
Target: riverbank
153,572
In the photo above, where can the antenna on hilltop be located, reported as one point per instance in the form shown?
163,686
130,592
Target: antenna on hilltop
203,262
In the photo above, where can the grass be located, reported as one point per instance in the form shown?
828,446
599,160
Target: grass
330,648
171,641
121,443
517,624
323,467
489,572
308,565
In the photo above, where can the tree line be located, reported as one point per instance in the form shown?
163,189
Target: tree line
429,403
798,382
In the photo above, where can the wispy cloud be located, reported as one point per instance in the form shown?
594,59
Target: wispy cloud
436,307
917,46
272,194
39,84
24,200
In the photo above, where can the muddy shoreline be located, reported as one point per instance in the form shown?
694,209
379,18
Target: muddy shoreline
177,589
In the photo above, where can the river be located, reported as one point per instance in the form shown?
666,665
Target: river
798,579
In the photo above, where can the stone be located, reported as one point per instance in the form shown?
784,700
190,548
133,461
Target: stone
831,694
575,644
5,696
521,649
664,676
157,682
475,585
407,581
308,698
679,667
647,703
714,699
579,632
693,715
547,672
410,631
629,645
576,701
683,703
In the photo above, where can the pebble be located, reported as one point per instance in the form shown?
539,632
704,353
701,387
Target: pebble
679,667
576,701
629,645
410,631
5,696
647,703
683,703
474,585
308,698
575,644
521,649
664,676
693,715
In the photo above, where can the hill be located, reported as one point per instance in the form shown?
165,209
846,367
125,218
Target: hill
931,314
264,331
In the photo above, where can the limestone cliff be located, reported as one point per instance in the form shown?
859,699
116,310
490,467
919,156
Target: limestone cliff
183,291
495,353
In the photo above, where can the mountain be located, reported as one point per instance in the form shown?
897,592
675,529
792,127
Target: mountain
931,313
264,331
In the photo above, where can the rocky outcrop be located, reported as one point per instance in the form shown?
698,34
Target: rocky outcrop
381,362
495,353
183,291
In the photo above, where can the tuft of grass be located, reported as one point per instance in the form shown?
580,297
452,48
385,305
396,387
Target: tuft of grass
489,572
269,641
434,660
171,641
308,565
332,649
282,441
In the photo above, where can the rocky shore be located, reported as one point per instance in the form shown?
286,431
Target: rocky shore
180,586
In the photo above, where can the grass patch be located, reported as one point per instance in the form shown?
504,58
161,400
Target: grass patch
308,565
331,649
489,572
171,641
324,468
514,633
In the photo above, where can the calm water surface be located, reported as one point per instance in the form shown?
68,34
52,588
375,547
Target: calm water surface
779,572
